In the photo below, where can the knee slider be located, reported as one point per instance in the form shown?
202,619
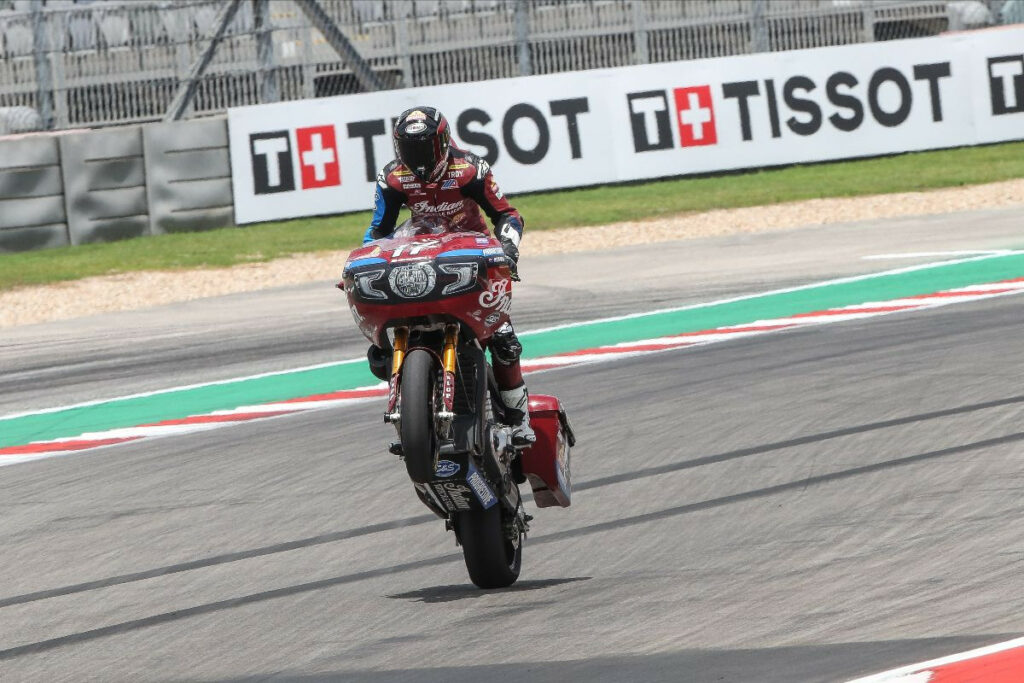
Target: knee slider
505,346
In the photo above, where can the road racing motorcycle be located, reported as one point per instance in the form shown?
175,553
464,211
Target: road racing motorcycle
431,298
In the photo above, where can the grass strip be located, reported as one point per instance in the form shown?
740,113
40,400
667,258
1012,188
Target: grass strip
570,208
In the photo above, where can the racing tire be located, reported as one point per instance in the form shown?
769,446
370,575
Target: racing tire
417,431
492,559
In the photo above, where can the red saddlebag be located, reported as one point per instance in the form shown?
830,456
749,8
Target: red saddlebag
546,463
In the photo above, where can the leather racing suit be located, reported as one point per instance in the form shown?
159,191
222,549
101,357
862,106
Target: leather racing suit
466,187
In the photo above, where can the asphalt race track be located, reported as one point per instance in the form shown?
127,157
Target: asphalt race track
811,505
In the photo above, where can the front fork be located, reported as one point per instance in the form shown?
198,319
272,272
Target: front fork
446,413
399,346
448,357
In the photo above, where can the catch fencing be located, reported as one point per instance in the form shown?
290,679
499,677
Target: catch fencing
67,65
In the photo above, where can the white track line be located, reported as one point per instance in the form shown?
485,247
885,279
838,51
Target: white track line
837,281
903,673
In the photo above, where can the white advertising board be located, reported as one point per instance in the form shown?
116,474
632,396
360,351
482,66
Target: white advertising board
313,157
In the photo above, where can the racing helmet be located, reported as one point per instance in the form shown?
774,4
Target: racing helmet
422,138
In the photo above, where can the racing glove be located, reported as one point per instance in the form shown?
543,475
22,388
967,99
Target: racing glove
510,231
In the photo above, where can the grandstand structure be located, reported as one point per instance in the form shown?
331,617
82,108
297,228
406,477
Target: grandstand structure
67,64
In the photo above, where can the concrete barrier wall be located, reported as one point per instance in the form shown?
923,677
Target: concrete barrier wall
32,211
188,176
105,185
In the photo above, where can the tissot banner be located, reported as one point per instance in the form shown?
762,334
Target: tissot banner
321,156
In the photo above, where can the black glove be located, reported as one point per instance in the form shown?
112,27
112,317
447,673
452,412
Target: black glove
509,231
512,254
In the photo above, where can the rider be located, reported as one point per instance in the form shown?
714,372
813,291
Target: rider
435,178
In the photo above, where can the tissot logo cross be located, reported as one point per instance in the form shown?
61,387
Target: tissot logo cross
318,156
696,116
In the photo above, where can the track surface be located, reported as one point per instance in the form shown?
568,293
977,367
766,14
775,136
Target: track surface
811,505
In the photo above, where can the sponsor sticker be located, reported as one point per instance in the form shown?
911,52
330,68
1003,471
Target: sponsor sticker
480,488
442,209
448,184
446,468
492,319
457,493
497,297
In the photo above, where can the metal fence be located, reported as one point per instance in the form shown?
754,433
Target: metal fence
67,65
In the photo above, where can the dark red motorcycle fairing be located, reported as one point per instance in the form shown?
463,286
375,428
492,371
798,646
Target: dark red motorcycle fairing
482,303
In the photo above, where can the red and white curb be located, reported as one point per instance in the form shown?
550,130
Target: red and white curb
194,423
601,354
999,663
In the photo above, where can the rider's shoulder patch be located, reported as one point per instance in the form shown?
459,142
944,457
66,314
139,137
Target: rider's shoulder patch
481,166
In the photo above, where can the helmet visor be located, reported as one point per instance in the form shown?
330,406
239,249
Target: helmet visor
422,157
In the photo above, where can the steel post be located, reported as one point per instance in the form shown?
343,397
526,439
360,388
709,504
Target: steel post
41,58
759,27
402,42
187,89
641,54
869,23
268,91
522,22
337,40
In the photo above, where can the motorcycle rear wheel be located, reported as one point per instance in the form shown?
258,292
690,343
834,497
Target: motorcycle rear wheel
492,559
419,437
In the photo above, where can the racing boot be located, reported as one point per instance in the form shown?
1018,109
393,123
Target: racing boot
517,415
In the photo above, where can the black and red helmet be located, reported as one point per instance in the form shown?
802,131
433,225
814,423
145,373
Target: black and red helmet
422,138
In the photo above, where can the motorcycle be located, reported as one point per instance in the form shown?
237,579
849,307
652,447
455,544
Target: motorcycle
431,299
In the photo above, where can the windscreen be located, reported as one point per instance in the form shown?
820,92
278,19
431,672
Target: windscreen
422,225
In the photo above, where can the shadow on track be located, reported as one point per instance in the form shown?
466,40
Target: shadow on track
808,663
231,603
217,559
791,443
468,592
580,486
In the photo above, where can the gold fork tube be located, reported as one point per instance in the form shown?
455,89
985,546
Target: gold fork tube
451,340
400,346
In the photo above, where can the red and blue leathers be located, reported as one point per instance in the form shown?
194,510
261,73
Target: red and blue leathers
465,187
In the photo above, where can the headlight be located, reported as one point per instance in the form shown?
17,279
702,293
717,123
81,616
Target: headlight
413,280
465,274
364,283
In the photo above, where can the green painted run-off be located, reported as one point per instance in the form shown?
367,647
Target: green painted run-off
175,404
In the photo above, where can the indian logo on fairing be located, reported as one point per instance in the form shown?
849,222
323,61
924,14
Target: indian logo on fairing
442,209
497,297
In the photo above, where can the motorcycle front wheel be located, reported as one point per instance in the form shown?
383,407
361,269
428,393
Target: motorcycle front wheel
418,434
493,560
